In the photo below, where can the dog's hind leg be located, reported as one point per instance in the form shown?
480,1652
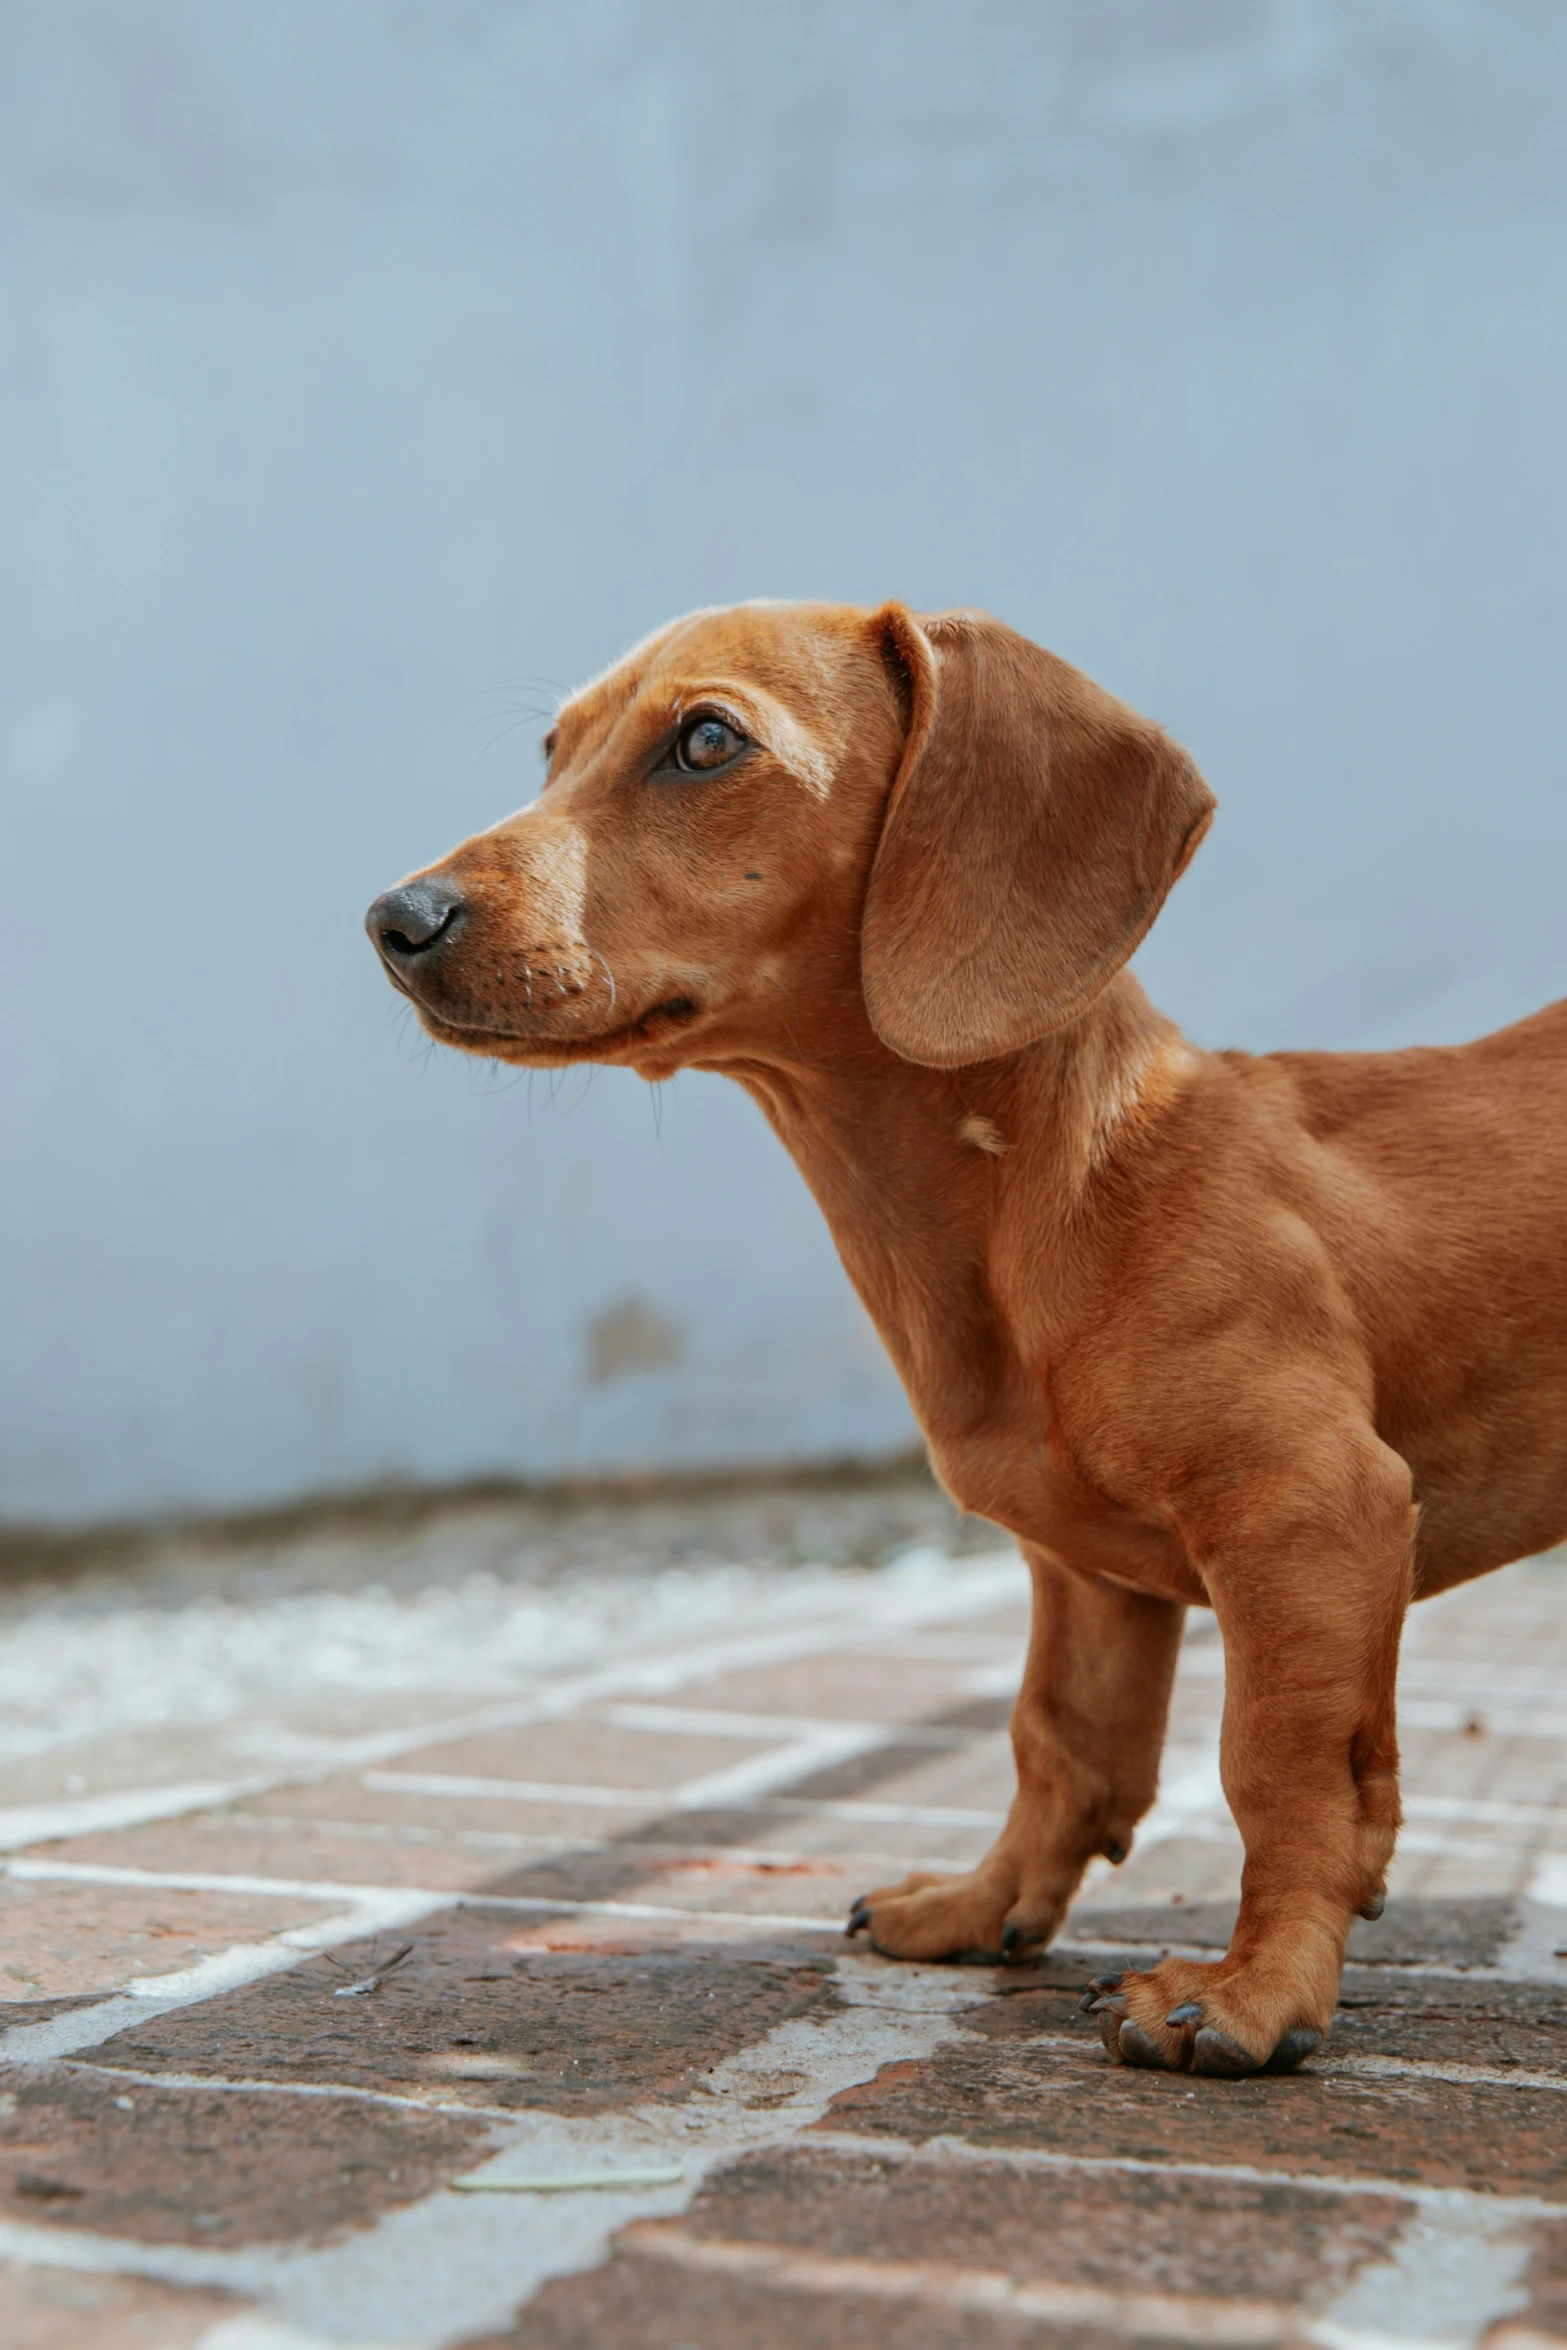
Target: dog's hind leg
1087,1730
1310,1586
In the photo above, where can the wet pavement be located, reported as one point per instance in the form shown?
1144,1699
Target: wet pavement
366,1887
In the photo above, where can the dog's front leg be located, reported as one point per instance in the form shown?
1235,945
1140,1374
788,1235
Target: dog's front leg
1310,1586
1087,1730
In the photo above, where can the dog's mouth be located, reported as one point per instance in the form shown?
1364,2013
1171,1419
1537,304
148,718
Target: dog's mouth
673,1012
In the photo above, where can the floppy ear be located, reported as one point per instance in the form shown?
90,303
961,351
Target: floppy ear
1032,833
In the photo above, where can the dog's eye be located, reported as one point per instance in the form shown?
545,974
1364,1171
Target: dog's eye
707,743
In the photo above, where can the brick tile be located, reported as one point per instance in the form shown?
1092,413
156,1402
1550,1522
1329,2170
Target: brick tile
1512,1770
687,1872
60,2309
1492,2140
107,1766
1188,2236
1497,2026
694,1930
637,2303
335,1852
981,1777
1483,1869
348,1798
229,1749
806,1888
1008,1622
878,1849
1466,1932
80,2150
63,1938
1468,1758
1182,1871
1469,1930
586,1753
473,2017
977,1713
853,1684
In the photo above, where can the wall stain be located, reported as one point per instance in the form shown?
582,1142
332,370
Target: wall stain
631,1336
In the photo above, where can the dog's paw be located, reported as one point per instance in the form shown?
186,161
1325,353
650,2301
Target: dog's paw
1184,2017
981,1917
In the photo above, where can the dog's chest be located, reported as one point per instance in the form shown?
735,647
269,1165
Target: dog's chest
1021,1478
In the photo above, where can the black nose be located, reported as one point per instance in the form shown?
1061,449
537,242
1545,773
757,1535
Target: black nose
411,920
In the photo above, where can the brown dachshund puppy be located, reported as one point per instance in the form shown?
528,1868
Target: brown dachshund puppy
1283,1337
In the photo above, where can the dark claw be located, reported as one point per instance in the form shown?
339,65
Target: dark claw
1088,2002
1112,2014
859,1919
1138,2049
1297,2044
1215,2052
1189,2012
1115,1853
1374,1908
1104,1982
1013,1938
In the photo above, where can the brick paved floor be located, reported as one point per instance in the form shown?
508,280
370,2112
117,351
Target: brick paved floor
505,1847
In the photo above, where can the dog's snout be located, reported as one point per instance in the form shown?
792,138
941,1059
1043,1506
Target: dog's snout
411,920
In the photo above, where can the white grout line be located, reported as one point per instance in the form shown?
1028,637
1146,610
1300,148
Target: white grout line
1329,2066
1536,1949
1548,1884
220,2085
873,2147
556,1843
694,1794
247,2272
1419,2068
1496,1717
891,1815
1475,1811
131,1807
1431,1842
542,1905
98,1872
463,1789
706,1722
1480,1684
250,2331
382,1905
765,1773
1368,1970
1443,2283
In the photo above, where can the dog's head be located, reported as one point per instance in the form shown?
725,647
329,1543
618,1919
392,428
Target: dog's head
781,815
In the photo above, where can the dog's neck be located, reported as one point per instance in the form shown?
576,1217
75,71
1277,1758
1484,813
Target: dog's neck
929,1178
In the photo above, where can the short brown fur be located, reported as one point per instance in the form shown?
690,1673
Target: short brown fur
1283,1336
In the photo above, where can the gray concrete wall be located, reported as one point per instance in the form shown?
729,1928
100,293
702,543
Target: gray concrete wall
371,372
